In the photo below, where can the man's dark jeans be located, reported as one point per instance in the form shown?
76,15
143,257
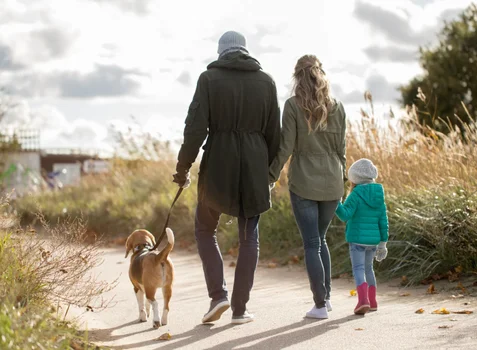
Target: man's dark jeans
313,219
206,221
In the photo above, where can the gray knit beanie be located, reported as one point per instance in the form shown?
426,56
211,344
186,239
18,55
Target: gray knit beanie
232,41
362,171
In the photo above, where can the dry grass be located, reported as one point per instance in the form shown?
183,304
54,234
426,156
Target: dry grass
42,273
416,165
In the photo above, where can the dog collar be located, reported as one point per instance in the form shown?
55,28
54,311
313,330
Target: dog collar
141,247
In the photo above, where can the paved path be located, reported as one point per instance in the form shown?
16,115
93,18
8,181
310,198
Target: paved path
280,299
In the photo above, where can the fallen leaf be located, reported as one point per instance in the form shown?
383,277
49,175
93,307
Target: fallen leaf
462,288
404,280
352,292
453,277
272,265
431,289
459,296
165,336
458,269
441,311
445,327
420,311
359,329
295,259
233,264
463,312
233,252
404,294
436,277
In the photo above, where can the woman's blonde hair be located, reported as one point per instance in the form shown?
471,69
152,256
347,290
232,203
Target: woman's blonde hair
312,91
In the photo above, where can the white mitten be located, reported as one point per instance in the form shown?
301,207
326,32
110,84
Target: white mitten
381,252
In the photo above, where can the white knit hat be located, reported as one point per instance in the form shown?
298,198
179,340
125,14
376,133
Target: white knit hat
362,171
232,41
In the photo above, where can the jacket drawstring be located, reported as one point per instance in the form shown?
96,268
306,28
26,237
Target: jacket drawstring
245,229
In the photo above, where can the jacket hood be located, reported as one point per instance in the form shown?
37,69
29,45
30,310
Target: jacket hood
372,194
237,61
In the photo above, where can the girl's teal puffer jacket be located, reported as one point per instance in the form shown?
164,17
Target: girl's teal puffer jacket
365,214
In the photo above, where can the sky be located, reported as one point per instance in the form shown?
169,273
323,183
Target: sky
76,68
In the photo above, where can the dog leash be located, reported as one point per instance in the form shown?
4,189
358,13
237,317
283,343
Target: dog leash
179,192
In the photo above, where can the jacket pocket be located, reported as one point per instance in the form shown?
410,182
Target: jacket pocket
191,113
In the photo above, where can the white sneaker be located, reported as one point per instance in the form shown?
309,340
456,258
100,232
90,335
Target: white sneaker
329,307
245,318
320,313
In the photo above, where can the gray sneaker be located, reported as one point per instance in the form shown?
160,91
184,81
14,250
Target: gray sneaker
245,318
217,308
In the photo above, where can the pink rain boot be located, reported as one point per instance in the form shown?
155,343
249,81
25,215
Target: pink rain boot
373,304
363,302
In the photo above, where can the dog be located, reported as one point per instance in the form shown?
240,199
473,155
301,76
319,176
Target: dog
148,271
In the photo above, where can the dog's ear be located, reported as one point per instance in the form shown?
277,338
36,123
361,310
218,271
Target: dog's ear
151,236
128,246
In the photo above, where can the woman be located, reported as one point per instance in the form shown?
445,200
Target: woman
313,132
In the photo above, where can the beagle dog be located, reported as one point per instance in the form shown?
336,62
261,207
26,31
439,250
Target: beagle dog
148,271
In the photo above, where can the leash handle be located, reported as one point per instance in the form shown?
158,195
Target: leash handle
161,237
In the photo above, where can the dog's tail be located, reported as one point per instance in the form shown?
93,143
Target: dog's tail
162,256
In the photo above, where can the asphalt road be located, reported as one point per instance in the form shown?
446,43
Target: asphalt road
279,300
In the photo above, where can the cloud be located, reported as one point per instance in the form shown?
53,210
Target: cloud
381,89
423,3
391,24
255,41
391,54
138,7
6,59
347,97
104,81
185,78
55,41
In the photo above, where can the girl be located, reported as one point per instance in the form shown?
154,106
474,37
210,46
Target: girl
313,129
364,212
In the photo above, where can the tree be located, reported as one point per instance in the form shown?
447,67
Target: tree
449,83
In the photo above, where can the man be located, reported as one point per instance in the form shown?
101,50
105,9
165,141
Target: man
235,107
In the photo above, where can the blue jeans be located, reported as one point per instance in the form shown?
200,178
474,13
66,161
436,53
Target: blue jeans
313,219
362,261
206,221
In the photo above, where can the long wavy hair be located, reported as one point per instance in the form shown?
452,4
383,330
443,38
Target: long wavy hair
312,91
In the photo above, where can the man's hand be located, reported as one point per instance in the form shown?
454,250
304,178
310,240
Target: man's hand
183,180
381,252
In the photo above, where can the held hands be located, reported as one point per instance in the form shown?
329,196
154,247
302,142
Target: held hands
183,180
381,252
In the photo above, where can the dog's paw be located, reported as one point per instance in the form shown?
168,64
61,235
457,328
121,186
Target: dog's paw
142,316
156,324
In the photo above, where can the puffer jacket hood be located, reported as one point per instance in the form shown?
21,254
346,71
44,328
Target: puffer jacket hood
372,194
238,61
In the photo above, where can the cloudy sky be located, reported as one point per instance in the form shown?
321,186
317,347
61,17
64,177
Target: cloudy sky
78,66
